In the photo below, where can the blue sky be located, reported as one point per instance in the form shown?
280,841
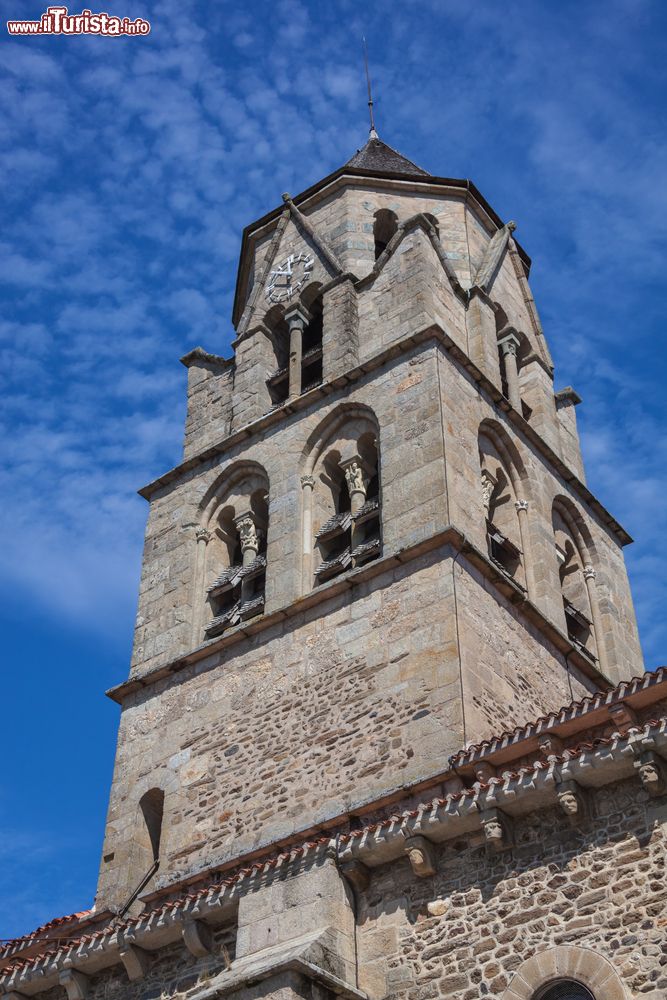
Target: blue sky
129,168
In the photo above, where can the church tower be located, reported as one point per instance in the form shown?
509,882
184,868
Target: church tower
383,734
379,546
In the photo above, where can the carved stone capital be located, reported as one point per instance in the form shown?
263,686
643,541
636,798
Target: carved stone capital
521,504
421,855
589,572
572,801
203,535
509,344
247,529
297,316
307,482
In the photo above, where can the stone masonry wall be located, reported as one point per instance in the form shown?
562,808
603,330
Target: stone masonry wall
462,933
321,713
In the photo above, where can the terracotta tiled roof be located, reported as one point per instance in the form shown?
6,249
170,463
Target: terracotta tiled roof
43,931
547,723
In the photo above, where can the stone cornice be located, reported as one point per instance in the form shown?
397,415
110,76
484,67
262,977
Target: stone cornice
514,792
198,356
450,535
429,334
509,796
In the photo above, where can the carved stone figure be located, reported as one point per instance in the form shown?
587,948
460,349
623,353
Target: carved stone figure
354,477
489,483
247,530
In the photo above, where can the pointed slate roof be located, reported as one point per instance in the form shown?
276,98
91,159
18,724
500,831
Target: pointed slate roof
377,155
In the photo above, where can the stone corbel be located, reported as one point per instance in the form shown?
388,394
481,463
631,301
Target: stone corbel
572,801
622,716
135,960
651,771
550,745
497,829
356,873
75,983
421,855
484,771
198,938
453,785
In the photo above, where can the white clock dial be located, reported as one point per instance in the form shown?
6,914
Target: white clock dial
287,278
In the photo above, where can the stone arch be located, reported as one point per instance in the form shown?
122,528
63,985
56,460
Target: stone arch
230,568
566,962
576,523
576,554
342,494
146,834
276,332
151,805
505,495
385,226
508,450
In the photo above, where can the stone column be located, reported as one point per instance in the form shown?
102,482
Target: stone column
522,515
591,589
509,346
297,318
356,479
203,536
247,529
307,485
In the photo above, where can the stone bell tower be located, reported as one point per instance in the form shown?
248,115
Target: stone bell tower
379,548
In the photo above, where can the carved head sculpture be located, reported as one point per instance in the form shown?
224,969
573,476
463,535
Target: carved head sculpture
420,855
416,857
493,831
569,803
650,776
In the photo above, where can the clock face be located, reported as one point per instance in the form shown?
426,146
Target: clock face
286,280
